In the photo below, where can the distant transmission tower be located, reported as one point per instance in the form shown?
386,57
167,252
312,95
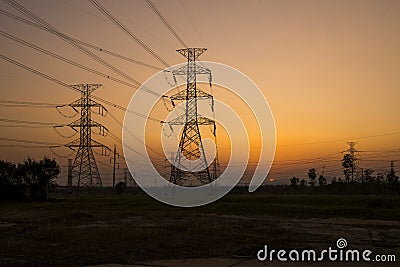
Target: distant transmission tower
191,145
352,150
84,169
356,172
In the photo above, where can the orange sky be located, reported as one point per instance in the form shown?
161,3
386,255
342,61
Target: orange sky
329,69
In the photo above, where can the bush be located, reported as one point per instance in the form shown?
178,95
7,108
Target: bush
120,188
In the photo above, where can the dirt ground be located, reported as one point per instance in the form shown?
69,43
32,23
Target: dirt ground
221,262
102,230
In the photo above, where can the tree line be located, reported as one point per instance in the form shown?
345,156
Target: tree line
352,174
29,180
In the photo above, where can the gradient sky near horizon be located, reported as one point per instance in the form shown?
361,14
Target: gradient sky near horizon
330,70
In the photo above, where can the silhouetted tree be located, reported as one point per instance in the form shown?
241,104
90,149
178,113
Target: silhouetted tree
120,188
391,177
303,183
348,167
8,174
312,176
38,175
334,180
294,182
380,178
321,180
368,175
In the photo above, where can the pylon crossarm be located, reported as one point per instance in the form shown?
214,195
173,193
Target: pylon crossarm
74,143
102,130
180,120
202,94
184,70
76,104
75,124
101,110
178,96
191,53
89,87
91,123
204,121
94,143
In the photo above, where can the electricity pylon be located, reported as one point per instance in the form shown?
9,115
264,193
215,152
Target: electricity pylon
356,172
84,169
191,145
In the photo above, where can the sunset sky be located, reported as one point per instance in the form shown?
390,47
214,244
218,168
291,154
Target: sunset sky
330,70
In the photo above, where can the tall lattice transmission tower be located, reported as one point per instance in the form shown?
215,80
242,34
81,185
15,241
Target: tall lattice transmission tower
84,168
190,144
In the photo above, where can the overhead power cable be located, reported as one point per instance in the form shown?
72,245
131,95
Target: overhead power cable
38,26
113,19
24,146
73,88
29,141
32,104
44,51
28,122
132,134
164,20
59,34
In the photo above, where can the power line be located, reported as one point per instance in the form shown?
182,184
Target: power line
44,51
344,139
44,25
38,26
164,20
116,22
137,138
190,20
72,88
31,104
59,34
77,44
29,141
35,71
41,123
116,138
23,146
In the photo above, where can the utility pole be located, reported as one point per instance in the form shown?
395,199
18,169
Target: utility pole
69,179
115,156
84,168
126,177
191,145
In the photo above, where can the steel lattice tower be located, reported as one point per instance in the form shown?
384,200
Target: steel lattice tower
356,171
84,169
191,145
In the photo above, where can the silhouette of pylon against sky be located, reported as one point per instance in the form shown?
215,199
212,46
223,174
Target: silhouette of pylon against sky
84,168
190,144
356,171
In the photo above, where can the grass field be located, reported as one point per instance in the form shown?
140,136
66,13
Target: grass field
72,230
